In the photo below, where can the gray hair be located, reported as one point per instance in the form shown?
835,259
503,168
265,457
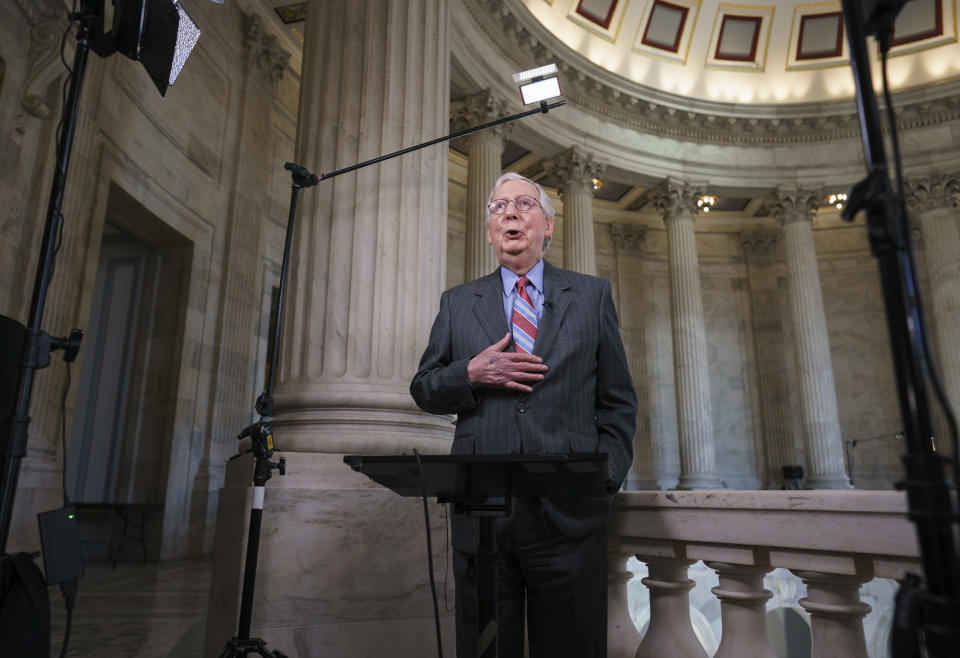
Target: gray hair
543,199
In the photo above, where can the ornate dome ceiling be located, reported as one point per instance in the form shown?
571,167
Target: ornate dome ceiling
768,52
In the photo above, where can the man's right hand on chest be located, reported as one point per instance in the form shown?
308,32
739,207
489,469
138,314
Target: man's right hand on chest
494,368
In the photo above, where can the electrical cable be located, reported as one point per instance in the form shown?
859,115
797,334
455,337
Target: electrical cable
73,17
923,338
433,585
446,559
63,436
69,590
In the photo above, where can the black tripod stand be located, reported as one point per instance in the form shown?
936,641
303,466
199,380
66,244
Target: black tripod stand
927,613
261,438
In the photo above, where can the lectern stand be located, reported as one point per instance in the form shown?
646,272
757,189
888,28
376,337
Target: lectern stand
484,486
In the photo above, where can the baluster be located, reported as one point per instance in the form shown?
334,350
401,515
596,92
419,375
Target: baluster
742,610
670,632
623,638
836,614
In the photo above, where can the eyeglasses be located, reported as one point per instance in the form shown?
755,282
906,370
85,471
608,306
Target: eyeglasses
522,203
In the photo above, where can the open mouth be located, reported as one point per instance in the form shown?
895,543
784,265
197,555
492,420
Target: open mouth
513,234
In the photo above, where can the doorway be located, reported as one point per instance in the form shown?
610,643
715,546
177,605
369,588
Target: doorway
119,454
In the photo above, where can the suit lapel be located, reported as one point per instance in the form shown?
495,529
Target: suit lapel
488,307
556,300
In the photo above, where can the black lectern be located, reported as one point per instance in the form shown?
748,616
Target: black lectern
484,486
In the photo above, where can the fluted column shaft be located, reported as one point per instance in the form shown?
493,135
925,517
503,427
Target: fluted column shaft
369,246
694,421
818,397
761,249
934,202
577,169
232,390
484,151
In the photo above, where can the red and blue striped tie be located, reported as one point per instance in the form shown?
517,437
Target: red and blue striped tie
524,319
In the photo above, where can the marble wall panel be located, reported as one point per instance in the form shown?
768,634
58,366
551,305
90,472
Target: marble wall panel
726,309
863,369
191,115
658,350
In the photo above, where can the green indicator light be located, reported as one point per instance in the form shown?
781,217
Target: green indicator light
70,516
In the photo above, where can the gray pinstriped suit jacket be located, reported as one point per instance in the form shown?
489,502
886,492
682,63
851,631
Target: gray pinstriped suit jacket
585,403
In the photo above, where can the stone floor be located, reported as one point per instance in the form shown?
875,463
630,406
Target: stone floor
147,610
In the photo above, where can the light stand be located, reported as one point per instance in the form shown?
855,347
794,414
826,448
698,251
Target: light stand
926,615
34,353
162,54
261,433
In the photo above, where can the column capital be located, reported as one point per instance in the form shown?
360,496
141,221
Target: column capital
933,191
478,109
48,21
760,245
576,168
795,204
261,53
677,198
628,238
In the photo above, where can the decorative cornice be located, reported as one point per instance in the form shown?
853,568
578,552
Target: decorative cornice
576,168
932,192
262,54
795,205
627,238
498,22
677,199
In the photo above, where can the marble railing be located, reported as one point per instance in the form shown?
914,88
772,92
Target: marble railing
835,541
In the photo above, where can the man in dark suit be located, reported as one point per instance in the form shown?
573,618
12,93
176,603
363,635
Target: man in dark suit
530,359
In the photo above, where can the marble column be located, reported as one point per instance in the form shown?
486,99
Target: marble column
367,270
628,245
934,204
762,251
484,151
818,397
369,247
577,169
677,201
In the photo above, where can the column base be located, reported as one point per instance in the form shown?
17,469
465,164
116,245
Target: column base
342,562
693,482
842,482
641,484
356,418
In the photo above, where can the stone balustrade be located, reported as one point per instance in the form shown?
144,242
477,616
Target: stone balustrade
834,541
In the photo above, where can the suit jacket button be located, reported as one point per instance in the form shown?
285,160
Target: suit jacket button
521,408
